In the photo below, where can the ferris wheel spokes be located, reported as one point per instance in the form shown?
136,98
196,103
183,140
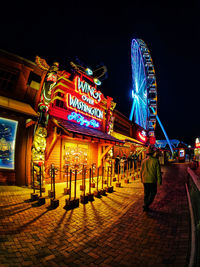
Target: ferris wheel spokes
143,83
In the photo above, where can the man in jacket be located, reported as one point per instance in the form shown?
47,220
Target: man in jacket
150,176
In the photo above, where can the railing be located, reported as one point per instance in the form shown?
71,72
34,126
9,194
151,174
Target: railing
193,185
93,181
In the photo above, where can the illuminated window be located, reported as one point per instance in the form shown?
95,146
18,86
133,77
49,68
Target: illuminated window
8,129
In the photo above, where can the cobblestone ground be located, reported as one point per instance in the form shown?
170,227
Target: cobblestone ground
111,231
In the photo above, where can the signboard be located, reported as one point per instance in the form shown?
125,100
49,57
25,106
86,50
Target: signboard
8,129
82,102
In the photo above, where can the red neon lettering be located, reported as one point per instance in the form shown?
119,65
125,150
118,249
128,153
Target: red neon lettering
143,138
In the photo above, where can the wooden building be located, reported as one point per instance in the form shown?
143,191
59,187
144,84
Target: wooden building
83,124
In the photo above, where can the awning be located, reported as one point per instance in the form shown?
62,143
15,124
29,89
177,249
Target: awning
126,138
74,128
17,106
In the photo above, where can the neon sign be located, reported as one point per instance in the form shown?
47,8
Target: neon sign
141,136
74,103
84,87
81,120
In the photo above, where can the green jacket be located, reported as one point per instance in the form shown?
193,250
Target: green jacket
150,171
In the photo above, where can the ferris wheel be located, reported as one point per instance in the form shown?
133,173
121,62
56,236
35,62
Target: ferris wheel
144,87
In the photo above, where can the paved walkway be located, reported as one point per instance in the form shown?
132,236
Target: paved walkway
111,231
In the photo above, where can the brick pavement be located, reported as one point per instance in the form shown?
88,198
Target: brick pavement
111,231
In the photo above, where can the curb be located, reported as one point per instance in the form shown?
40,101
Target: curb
193,239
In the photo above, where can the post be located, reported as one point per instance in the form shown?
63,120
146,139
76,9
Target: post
118,184
84,175
70,184
40,181
97,178
54,189
90,182
75,184
33,180
111,174
67,170
102,175
118,172
108,175
34,196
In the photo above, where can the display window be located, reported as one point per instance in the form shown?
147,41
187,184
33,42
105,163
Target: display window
76,155
8,130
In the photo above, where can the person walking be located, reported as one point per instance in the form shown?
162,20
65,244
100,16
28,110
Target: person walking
150,176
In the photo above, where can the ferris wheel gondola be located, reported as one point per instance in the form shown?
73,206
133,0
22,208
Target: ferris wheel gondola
144,87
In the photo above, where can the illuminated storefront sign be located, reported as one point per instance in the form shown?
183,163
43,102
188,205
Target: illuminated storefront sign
82,121
74,103
84,104
8,129
84,87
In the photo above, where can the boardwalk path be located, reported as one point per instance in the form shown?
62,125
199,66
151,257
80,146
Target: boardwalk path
111,231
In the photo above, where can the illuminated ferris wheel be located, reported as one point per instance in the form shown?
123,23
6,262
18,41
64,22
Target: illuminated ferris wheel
144,87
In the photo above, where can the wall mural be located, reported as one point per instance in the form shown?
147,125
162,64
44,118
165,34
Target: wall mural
8,129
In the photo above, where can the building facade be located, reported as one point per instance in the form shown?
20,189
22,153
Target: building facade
78,126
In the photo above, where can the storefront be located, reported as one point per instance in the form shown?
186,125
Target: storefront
133,136
14,147
79,126
20,81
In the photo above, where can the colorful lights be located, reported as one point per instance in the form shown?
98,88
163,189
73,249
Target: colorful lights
142,136
82,121
84,87
97,82
74,103
88,71
139,109
197,145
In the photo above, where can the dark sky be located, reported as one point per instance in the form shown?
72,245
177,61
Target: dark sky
103,33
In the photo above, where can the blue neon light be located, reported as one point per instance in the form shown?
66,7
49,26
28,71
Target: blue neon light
82,121
139,108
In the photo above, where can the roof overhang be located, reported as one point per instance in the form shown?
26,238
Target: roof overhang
126,138
17,106
76,130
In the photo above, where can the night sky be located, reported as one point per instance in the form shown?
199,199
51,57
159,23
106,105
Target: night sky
103,34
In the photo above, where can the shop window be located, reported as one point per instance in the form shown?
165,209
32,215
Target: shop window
8,129
76,155
8,78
